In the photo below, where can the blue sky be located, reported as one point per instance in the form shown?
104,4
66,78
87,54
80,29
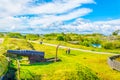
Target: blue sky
46,16
104,10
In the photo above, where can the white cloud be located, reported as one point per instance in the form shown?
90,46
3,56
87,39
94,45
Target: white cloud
12,7
19,7
48,19
58,6
104,27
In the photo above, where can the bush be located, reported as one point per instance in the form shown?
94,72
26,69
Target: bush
15,35
86,43
67,38
112,45
77,72
60,38
32,36
1,35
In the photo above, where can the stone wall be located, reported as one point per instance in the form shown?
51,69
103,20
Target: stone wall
114,64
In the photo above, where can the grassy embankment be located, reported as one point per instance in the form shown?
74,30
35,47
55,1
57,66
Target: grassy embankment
3,64
11,43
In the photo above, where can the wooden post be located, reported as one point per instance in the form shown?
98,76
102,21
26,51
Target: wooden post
18,65
56,52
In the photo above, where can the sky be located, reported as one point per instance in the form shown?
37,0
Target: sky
51,16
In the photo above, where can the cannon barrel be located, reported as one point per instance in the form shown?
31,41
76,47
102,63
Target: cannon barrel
25,52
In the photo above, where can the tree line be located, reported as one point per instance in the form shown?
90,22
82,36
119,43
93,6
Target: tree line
107,42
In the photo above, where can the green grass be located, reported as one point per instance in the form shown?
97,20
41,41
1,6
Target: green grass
3,64
56,71
117,51
118,59
19,44
78,65
11,43
96,62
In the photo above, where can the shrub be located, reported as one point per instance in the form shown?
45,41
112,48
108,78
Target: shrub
15,35
112,45
85,43
60,38
1,35
78,73
32,36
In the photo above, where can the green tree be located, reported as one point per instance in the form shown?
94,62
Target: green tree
67,38
112,45
116,32
60,38
1,35
15,35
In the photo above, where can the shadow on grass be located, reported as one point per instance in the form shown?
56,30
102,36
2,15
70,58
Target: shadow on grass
70,54
47,62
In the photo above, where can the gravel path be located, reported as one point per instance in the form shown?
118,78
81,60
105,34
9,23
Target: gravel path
63,47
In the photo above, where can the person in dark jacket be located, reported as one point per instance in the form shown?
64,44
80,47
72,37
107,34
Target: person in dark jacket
68,51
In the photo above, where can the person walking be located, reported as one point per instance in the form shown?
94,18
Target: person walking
68,51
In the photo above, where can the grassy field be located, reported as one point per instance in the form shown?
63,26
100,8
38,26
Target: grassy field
3,64
117,51
16,44
77,65
96,62
3,60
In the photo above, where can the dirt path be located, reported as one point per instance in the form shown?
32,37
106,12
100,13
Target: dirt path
63,47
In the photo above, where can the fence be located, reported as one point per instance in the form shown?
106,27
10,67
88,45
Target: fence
114,64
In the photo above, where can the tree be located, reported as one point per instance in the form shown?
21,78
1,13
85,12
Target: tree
15,35
67,38
60,38
116,32
1,35
112,45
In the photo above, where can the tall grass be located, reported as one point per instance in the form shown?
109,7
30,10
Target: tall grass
3,64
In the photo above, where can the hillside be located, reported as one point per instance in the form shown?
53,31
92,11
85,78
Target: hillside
77,65
3,64
11,43
19,44
48,70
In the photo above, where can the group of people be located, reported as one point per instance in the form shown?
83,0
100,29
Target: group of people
68,51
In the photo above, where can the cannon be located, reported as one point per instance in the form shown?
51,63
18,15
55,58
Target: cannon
33,56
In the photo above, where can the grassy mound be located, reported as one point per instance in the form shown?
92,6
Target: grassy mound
3,65
13,43
118,59
60,72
